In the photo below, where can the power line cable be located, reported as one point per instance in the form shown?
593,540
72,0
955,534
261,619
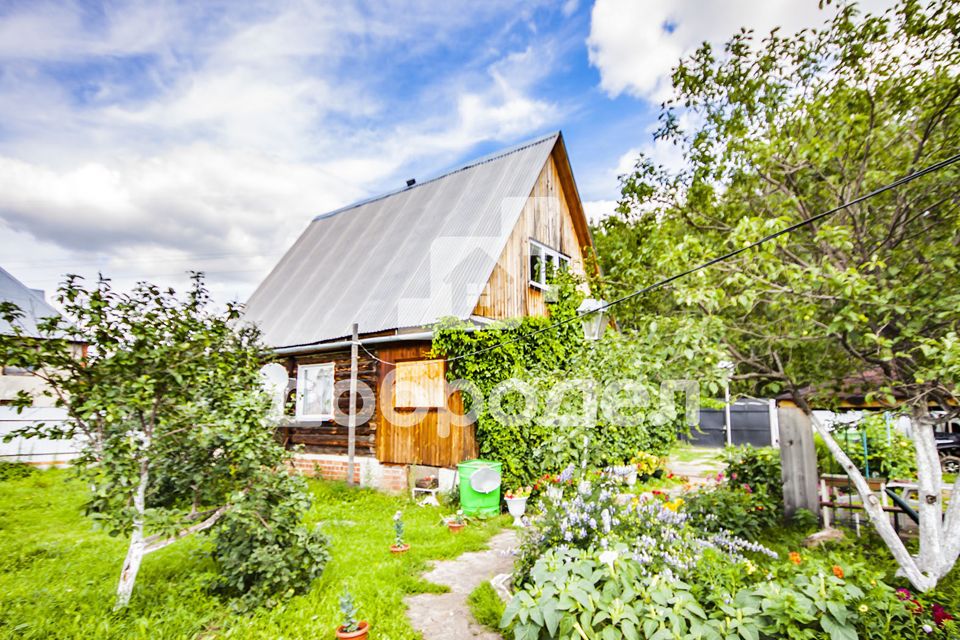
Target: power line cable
937,166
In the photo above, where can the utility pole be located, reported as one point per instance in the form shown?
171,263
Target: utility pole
352,424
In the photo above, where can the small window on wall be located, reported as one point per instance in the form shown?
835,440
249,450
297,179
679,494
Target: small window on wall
544,262
315,392
419,384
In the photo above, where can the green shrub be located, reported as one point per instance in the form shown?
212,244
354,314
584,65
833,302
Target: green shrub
727,507
262,551
890,453
485,605
758,468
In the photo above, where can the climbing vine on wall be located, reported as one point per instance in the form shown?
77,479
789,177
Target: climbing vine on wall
517,443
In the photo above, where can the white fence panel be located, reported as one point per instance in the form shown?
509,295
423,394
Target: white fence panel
37,451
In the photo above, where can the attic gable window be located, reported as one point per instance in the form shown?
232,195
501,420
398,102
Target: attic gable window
544,262
315,391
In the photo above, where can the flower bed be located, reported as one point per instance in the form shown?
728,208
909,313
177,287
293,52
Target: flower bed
602,564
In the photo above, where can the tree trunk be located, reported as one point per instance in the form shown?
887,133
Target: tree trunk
136,551
951,530
872,506
929,483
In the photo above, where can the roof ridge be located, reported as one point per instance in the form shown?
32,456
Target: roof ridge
496,155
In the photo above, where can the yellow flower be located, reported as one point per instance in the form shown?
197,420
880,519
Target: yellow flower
673,505
863,608
751,568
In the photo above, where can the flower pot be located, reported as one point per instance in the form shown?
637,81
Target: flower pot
359,634
397,549
517,507
455,527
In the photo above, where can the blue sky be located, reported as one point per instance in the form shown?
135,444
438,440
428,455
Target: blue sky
147,138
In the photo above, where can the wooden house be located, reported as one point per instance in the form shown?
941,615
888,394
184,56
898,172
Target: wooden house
474,244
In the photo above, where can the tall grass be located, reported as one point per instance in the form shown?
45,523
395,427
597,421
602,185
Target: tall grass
57,574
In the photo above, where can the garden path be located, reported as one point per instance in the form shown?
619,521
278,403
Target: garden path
447,615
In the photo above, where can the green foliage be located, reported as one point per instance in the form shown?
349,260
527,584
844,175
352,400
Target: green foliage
15,470
167,401
261,550
57,574
348,613
485,605
890,453
514,444
758,468
734,508
773,131
577,593
597,403
746,500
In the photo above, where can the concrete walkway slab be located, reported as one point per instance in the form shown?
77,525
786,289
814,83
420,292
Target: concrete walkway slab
447,615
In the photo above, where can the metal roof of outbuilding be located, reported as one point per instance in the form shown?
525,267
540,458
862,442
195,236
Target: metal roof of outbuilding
30,302
403,259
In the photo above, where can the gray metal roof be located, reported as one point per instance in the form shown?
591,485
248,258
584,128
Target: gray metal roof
30,302
404,259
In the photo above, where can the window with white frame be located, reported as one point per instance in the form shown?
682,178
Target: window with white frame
315,391
544,262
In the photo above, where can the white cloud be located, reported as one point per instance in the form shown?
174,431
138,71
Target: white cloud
635,45
597,210
221,129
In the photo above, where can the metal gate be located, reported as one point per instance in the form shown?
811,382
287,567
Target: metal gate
750,421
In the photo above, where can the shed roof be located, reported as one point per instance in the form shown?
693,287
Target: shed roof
403,259
30,302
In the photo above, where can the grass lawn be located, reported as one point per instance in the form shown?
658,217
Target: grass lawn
57,575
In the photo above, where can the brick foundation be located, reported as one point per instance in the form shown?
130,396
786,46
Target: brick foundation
368,472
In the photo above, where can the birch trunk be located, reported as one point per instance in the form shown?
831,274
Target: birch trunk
951,530
136,551
874,510
929,483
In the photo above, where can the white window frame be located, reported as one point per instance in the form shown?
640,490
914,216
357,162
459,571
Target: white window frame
548,256
302,371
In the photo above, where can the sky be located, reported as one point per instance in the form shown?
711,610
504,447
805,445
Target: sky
142,139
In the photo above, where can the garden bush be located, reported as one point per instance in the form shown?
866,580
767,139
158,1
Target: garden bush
262,551
758,468
734,508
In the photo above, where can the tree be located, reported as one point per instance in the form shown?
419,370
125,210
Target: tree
774,131
167,403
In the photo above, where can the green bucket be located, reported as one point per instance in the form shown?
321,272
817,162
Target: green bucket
479,503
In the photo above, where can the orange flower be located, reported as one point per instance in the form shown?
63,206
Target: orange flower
795,557
837,571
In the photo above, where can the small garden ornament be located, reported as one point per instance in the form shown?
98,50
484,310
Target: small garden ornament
398,546
351,628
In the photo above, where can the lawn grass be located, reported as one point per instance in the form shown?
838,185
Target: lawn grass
57,574
486,606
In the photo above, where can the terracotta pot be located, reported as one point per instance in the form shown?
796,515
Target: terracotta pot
359,634
456,526
397,549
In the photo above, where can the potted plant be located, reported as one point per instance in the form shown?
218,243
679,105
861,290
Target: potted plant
398,546
646,464
456,522
517,504
351,628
